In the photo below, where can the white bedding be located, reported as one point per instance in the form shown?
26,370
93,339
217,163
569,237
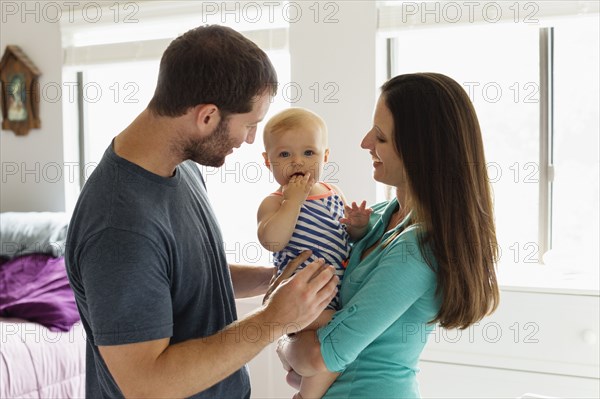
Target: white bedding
38,363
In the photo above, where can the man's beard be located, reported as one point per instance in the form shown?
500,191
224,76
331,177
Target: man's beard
211,150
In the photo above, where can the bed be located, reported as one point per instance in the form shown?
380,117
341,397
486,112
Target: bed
42,346
39,363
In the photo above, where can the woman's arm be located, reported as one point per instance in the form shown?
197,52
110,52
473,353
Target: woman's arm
385,289
389,288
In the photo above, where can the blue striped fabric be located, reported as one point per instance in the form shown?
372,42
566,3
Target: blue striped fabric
318,229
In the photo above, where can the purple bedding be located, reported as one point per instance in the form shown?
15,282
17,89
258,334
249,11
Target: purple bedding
36,288
42,353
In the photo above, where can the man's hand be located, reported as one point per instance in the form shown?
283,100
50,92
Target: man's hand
297,301
159,368
250,280
287,272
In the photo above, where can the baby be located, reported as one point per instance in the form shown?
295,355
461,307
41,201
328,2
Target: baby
305,213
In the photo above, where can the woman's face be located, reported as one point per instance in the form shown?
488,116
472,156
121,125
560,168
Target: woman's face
387,166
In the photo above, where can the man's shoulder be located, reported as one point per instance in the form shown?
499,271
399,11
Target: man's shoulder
191,170
111,201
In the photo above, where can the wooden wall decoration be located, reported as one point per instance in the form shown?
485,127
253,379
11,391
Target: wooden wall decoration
20,92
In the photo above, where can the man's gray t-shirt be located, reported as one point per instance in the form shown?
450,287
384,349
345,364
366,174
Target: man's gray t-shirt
146,261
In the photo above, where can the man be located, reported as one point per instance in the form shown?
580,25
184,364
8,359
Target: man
145,255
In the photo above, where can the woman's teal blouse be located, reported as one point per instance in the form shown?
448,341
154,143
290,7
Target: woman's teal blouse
388,298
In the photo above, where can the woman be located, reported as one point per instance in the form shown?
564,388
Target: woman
429,255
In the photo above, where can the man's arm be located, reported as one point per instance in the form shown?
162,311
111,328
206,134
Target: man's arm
249,281
157,369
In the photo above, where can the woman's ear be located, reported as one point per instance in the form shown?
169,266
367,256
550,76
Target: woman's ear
326,156
207,117
266,157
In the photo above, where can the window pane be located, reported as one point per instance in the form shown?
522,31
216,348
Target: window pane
575,192
239,186
114,94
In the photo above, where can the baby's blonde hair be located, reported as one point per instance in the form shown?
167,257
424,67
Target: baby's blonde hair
293,118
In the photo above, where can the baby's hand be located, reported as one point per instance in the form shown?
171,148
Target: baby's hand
357,216
298,188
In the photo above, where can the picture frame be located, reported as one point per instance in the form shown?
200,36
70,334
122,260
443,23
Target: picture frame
20,97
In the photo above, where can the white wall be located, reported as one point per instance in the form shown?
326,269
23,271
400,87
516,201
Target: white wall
337,52
33,165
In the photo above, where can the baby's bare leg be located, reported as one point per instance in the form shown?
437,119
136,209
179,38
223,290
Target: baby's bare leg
315,386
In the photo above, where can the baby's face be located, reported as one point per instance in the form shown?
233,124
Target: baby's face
296,152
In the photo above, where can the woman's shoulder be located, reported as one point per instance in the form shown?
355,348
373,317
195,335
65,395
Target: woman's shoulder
411,246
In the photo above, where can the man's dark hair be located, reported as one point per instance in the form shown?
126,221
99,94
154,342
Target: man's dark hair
212,65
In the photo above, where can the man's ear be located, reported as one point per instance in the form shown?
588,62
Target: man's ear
267,162
326,155
207,117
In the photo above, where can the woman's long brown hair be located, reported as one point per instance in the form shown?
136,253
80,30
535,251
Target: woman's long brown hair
438,138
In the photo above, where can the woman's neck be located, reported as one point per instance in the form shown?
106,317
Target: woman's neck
403,204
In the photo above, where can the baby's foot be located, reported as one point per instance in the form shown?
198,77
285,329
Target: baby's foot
294,379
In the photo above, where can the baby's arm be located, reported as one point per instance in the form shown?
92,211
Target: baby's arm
357,220
356,217
277,216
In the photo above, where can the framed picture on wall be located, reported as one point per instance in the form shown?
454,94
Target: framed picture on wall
20,91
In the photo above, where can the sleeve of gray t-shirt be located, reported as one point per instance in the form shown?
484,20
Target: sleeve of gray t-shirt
127,288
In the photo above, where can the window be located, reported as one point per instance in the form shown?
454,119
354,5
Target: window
113,95
576,127
498,64
238,187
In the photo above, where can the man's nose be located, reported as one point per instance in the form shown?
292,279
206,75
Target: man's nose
250,137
